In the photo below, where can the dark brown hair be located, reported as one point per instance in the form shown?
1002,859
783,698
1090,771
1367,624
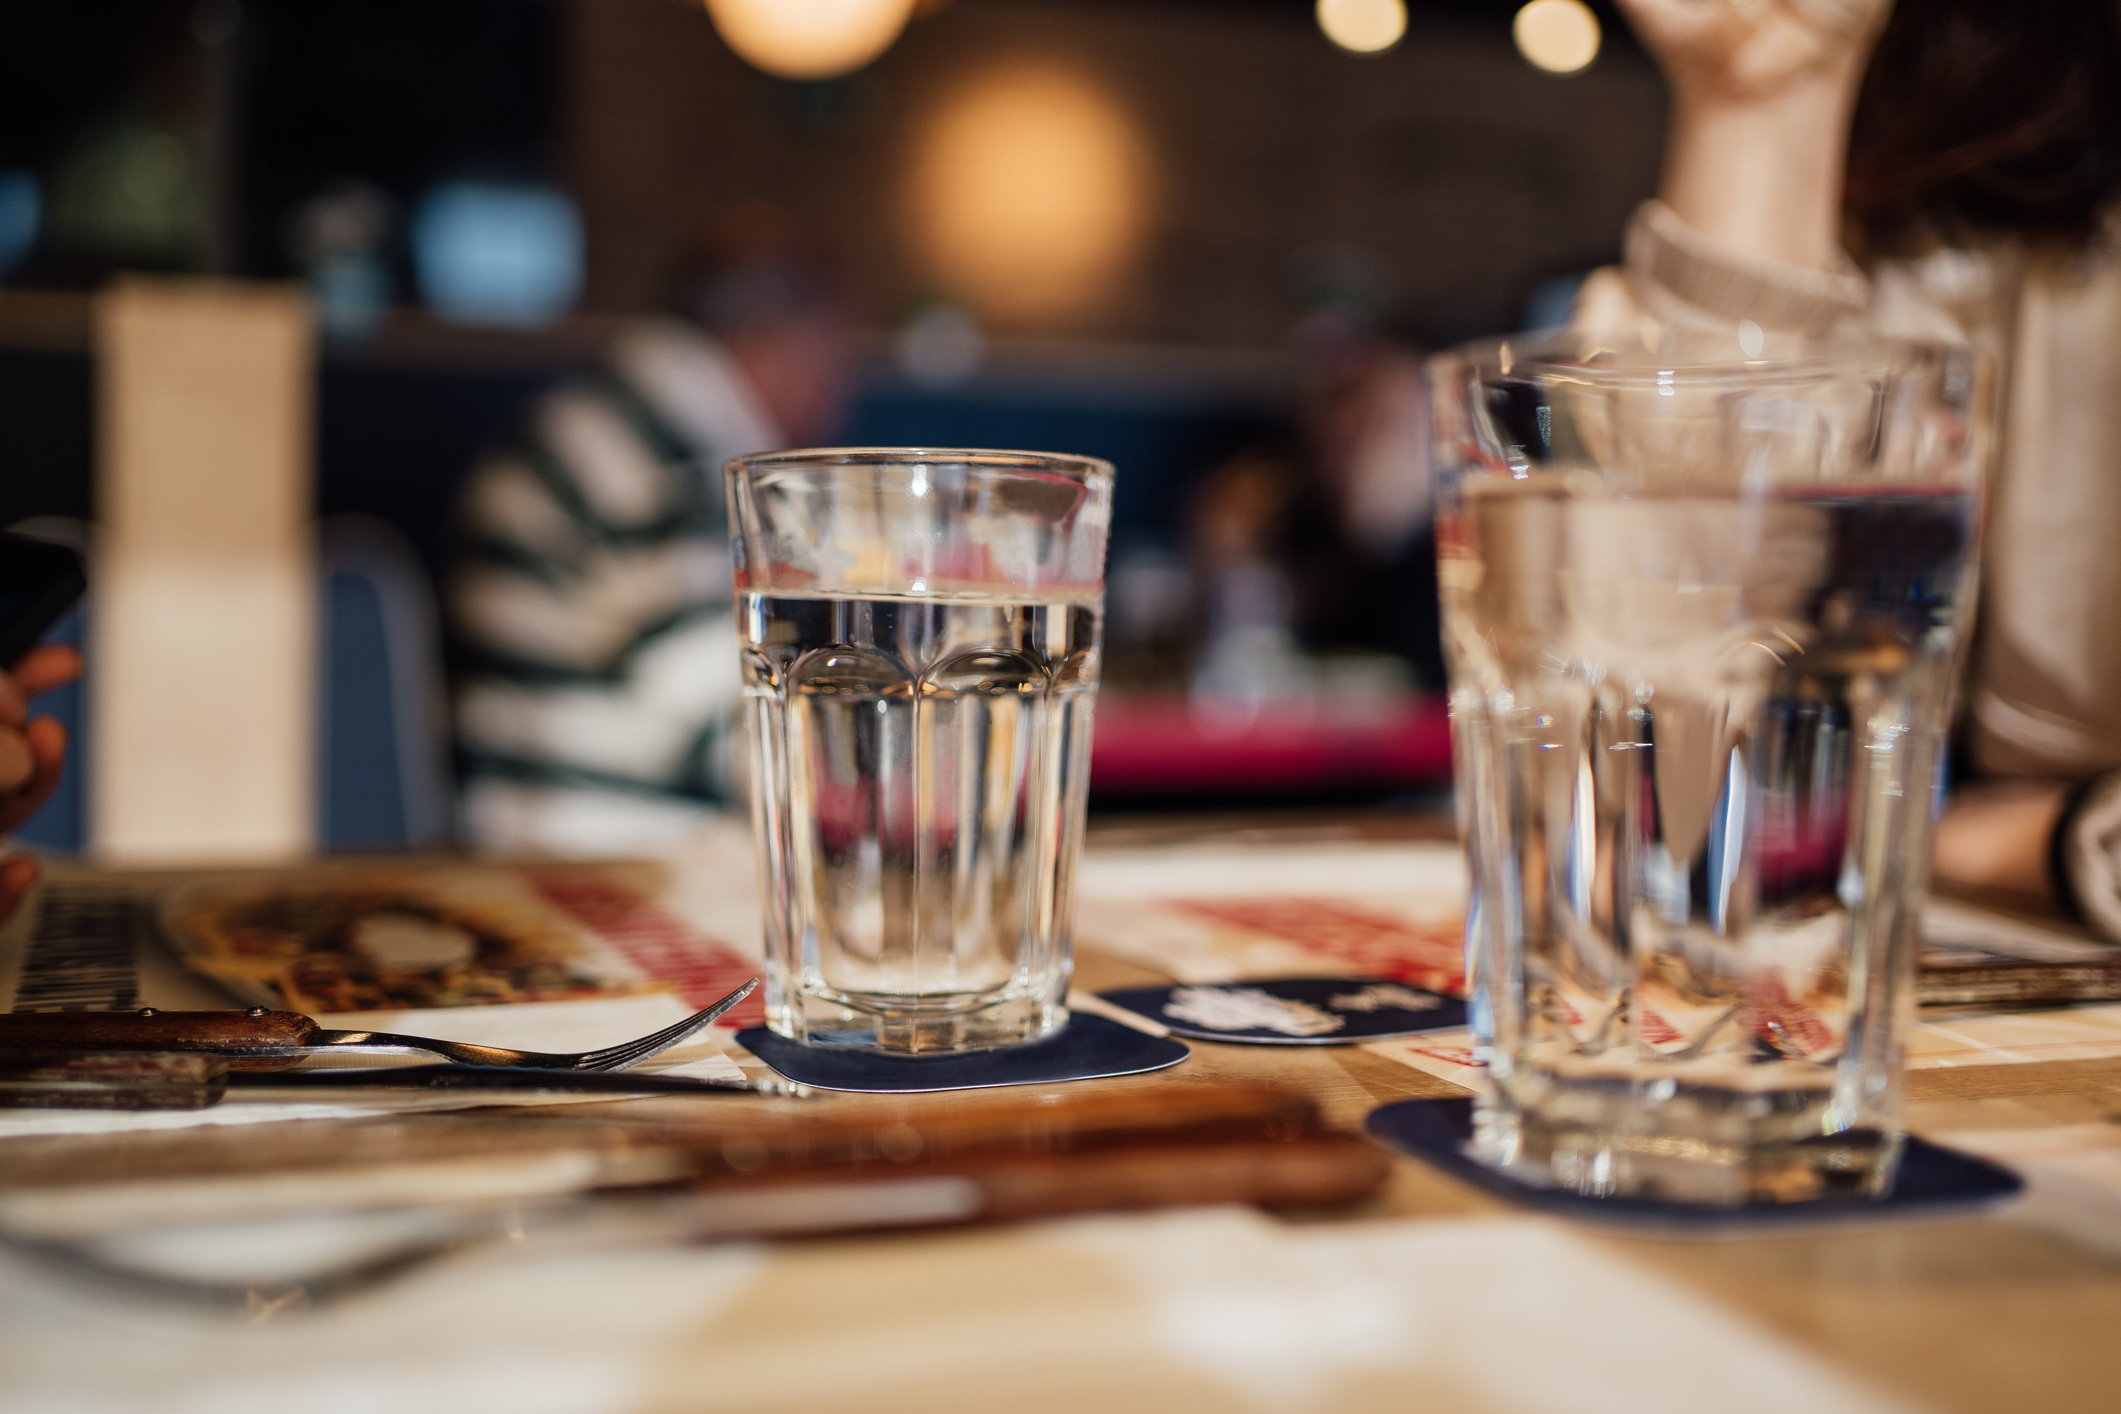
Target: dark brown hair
1988,117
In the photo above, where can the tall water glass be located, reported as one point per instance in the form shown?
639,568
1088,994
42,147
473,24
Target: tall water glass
1703,616
920,635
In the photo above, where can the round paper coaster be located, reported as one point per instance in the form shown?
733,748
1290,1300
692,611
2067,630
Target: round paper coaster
1931,1179
1087,1048
1295,1011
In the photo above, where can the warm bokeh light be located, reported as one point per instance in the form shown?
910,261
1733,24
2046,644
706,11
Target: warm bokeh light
809,39
1560,36
1363,26
1029,193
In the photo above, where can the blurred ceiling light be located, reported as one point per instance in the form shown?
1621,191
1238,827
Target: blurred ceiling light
1363,26
1560,36
809,39
1029,194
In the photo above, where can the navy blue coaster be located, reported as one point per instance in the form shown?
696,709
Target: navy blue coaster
1295,1011
1932,1179
1087,1048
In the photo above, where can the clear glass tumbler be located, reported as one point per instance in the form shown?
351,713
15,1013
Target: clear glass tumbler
1703,617
920,635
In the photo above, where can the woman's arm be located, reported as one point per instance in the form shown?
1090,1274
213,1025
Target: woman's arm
1761,98
1995,836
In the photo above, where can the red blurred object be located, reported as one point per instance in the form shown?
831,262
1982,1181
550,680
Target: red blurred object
1165,745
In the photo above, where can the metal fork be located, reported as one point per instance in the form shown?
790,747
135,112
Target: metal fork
624,1056
259,1033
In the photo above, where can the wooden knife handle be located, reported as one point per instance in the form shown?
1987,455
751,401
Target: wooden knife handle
1321,1169
150,1030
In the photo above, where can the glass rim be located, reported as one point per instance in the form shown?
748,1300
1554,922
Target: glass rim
1575,354
1084,469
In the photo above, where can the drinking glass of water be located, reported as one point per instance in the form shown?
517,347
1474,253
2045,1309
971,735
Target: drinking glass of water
1704,614
920,634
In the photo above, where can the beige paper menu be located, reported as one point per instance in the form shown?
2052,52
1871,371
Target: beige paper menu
202,701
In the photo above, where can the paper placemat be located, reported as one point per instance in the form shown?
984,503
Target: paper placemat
89,942
1232,913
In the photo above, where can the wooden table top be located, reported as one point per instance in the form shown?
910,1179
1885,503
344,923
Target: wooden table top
1987,1313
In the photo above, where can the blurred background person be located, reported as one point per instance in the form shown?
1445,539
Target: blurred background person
1066,224
1364,412
1313,555
1248,523
1971,151
592,601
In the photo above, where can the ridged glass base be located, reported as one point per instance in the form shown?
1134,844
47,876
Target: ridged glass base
916,1026
1713,1144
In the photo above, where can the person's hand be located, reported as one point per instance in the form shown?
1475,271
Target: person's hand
1749,50
1762,92
32,751
1994,836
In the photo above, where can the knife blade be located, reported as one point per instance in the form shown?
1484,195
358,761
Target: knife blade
197,1080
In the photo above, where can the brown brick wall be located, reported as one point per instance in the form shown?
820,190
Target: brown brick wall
1470,174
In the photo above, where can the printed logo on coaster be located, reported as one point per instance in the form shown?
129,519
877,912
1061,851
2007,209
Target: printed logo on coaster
1295,1011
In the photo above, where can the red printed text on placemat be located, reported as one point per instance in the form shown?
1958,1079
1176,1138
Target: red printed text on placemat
697,967
1367,944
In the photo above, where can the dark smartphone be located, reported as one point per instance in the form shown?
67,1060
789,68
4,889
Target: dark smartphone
39,582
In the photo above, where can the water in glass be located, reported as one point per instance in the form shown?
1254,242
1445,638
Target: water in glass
921,765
